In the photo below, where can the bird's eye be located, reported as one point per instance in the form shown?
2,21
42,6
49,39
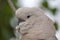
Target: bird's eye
28,16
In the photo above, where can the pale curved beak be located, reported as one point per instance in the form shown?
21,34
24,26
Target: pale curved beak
20,20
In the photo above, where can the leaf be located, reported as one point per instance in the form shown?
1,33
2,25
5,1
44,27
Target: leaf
56,25
6,13
53,11
45,4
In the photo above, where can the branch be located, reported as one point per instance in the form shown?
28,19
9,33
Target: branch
11,5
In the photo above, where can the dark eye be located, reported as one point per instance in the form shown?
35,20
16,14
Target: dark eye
28,16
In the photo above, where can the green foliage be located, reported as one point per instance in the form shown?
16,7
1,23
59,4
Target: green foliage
53,11
45,4
6,31
14,1
56,25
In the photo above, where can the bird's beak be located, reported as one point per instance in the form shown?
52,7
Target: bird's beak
20,20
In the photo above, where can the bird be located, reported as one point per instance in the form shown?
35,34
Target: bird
35,25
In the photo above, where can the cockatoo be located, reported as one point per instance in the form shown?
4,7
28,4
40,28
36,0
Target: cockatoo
35,25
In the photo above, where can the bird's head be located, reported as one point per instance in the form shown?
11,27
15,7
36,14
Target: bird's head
26,13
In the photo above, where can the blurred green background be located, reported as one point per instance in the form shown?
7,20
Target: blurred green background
6,13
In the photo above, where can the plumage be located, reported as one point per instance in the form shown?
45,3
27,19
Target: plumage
36,25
